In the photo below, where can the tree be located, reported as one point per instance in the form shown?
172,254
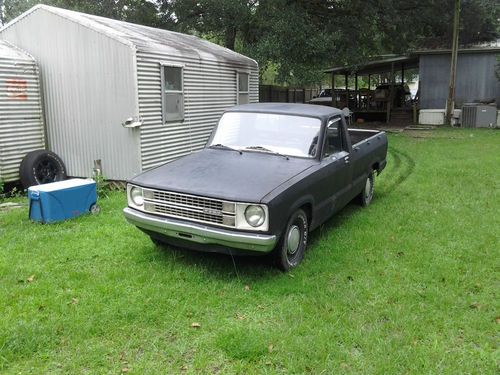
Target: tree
138,11
222,20
300,38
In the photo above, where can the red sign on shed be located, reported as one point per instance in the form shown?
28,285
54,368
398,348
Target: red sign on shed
17,89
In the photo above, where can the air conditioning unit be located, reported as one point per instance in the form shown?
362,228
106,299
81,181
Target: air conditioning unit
476,115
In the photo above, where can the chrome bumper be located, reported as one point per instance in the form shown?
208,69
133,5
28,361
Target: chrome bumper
200,233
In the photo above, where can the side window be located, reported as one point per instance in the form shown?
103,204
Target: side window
172,87
333,137
243,88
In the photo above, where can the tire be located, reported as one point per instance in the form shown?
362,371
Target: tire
292,245
157,242
94,209
41,167
366,195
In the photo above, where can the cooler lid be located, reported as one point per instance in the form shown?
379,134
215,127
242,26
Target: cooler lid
60,185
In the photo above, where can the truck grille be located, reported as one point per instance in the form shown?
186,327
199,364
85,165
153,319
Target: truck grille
189,207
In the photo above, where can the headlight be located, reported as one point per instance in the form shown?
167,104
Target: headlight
136,196
255,215
252,216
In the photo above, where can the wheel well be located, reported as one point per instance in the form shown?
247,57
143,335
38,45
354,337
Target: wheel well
376,166
307,208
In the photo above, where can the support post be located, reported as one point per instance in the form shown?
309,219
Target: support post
391,95
369,91
356,92
334,97
450,102
347,90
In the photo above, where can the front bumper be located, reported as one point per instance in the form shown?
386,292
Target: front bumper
199,233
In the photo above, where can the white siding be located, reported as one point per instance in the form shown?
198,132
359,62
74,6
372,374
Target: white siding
209,89
21,118
93,80
89,87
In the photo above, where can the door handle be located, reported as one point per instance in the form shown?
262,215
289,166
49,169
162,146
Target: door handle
346,159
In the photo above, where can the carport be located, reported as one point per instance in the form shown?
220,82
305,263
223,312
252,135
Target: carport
380,98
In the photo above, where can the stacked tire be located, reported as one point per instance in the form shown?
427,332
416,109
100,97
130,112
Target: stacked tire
41,167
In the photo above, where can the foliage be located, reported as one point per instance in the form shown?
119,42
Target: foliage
378,293
102,186
298,39
223,19
2,185
137,11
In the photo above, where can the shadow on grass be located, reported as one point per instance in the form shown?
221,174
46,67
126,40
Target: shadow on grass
223,266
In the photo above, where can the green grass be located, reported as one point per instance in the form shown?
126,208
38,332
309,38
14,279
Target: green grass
408,285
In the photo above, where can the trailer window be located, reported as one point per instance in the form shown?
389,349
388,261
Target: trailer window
172,93
243,88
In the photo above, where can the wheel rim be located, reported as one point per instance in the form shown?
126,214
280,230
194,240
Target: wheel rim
293,240
46,171
369,189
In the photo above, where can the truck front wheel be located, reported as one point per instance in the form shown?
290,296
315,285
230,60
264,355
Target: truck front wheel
292,245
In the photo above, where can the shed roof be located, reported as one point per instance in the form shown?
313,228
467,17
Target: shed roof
9,51
146,38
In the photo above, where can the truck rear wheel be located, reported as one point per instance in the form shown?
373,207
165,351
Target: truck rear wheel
41,167
366,195
292,245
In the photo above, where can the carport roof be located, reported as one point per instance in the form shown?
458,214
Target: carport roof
410,61
377,66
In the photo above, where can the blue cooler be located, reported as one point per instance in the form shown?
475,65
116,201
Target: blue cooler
62,200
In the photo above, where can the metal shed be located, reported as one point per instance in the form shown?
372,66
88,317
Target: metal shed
476,80
131,96
21,116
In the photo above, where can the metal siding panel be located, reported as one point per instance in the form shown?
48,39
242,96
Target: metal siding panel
21,118
209,89
476,79
89,87
434,81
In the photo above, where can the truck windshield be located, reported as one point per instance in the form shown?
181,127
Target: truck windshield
268,132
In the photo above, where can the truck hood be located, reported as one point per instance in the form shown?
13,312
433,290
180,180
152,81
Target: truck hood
224,174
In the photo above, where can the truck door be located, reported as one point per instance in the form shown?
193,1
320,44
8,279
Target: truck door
335,164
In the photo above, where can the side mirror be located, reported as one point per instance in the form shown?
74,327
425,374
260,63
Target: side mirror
346,112
132,122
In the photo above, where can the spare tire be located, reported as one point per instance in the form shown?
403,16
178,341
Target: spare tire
41,167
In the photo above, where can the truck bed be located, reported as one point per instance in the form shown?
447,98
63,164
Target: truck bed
359,135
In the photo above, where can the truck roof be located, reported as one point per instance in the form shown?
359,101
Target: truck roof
309,110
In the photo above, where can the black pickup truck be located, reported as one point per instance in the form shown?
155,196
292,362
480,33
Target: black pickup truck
269,174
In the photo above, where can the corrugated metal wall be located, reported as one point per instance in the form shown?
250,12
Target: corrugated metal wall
209,89
476,80
21,118
90,89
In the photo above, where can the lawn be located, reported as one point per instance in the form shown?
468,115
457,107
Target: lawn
408,285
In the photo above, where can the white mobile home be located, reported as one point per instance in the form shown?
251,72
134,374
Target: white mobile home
130,96
21,116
